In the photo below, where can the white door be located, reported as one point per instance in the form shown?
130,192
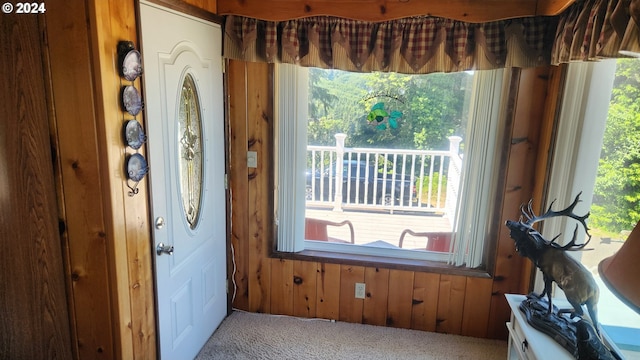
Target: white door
183,96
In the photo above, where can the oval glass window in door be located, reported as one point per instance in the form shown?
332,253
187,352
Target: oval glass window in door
190,160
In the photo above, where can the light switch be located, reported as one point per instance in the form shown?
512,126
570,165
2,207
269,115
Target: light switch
252,159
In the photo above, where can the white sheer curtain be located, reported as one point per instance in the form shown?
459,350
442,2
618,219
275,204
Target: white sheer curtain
291,92
480,169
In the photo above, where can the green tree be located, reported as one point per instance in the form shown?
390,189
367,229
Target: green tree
320,99
433,107
616,201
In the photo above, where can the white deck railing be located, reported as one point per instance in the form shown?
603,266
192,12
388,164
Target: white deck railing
383,179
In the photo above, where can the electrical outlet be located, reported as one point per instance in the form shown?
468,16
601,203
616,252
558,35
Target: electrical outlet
252,159
360,291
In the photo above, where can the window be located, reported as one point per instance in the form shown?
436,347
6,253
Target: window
390,157
596,152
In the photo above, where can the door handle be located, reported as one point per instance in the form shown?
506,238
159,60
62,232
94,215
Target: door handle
164,249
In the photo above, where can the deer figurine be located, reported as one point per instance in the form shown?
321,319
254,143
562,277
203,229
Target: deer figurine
556,265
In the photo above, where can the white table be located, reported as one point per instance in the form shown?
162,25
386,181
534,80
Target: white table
525,342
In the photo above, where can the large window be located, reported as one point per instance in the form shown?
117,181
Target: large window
387,164
597,153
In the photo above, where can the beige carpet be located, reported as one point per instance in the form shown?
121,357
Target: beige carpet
245,335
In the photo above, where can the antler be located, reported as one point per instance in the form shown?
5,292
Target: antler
532,218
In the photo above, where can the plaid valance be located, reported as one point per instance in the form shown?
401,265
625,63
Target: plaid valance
596,29
411,45
587,30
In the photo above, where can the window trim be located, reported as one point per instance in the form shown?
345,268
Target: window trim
486,269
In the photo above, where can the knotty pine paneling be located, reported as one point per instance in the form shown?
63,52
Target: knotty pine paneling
374,311
34,320
208,5
527,117
350,307
238,179
107,232
79,179
305,285
260,194
400,301
477,302
328,291
425,301
413,299
451,295
281,290
128,234
375,10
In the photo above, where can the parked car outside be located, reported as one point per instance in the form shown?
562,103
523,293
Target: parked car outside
361,184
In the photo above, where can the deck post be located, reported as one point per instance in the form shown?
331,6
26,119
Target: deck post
337,199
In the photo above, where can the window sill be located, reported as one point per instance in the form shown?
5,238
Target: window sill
381,261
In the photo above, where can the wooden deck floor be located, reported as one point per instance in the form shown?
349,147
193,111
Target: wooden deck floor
372,226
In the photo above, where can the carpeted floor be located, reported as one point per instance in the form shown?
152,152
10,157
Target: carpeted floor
245,335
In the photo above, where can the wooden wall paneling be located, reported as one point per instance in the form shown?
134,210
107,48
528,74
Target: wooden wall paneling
530,87
281,290
425,301
34,320
506,264
552,7
374,310
71,81
350,307
548,125
260,122
238,181
451,297
506,279
400,301
373,10
328,291
135,213
305,285
197,3
126,218
208,5
477,305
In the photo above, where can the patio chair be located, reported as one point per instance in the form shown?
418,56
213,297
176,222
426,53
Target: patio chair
436,241
316,229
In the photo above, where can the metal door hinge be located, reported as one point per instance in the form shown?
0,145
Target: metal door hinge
226,182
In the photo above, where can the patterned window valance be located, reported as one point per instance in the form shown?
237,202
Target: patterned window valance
411,45
587,30
596,29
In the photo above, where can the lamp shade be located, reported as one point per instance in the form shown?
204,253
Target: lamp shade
621,271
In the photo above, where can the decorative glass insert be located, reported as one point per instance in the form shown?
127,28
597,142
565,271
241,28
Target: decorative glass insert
190,151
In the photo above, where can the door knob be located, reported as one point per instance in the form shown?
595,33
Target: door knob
159,222
164,249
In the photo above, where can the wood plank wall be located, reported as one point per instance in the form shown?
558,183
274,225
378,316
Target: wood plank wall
428,301
34,321
106,234
106,237
383,10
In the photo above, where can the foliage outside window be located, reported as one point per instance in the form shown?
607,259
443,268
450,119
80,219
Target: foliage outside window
616,201
599,108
